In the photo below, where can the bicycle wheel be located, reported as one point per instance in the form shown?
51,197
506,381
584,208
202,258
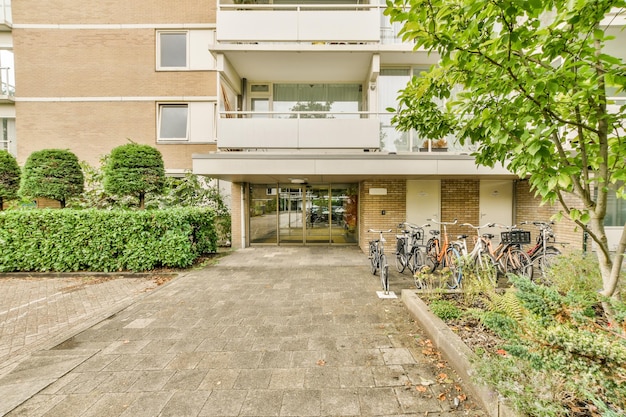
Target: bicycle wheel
418,268
384,273
401,256
431,255
485,268
454,263
545,261
416,261
373,257
518,262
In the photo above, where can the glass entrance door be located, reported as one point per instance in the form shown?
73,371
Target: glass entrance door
290,218
319,214
303,215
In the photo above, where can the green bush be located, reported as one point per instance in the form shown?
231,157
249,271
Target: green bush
136,170
9,177
52,173
445,310
99,240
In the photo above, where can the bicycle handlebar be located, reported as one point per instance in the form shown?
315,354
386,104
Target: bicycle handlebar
414,226
447,223
478,227
502,226
539,223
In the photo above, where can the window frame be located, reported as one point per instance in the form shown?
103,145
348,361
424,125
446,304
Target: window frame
160,107
159,65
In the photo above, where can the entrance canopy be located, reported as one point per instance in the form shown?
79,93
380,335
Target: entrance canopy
302,167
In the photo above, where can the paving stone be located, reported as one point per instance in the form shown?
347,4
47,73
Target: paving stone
262,332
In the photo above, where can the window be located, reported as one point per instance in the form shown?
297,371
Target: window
172,50
185,50
192,122
173,121
615,210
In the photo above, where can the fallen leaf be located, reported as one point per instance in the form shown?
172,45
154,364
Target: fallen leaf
441,365
462,397
321,362
441,397
421,388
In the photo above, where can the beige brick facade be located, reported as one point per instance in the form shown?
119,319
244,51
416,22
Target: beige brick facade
371,207
100,63
529,208
460,200
235,214
91,130
91,86
113,11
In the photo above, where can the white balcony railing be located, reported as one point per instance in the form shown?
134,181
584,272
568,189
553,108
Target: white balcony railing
297,130
321,131
348,23
6,88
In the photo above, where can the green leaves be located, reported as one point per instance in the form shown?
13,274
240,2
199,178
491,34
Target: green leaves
52,173
134,169
104,240
9,177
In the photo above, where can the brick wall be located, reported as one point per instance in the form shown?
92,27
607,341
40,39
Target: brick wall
113,11
460,200
235,215
43,202
371,206
91,130
99,63
529,208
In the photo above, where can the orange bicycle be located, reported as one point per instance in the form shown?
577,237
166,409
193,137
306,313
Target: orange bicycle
444,254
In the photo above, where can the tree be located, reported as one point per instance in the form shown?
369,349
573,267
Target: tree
535,77
52,173
9,177
134,169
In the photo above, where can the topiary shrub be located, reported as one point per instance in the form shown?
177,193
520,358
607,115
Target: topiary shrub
134,170
9,177
52,173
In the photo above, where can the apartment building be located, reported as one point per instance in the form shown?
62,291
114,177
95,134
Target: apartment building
284,99
93,75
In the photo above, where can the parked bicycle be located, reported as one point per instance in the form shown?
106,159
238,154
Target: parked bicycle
444,254
378,260
479,260
410,247
508,255
543,253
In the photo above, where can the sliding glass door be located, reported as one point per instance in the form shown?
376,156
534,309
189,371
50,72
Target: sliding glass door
303,215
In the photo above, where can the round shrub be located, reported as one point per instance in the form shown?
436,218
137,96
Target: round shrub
9,177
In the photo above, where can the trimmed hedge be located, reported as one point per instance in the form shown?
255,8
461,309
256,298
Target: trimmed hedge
99,240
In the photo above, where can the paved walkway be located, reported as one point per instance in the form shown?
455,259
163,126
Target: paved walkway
269,331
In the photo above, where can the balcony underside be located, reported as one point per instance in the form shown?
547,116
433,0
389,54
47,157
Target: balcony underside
333,63
266,167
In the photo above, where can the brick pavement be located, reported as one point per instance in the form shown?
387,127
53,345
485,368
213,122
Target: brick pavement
38,312
266,332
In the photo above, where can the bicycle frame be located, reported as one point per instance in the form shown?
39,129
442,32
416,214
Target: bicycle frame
444,254
378,259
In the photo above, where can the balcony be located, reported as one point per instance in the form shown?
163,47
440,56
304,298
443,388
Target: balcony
297,131
6,19
332,23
